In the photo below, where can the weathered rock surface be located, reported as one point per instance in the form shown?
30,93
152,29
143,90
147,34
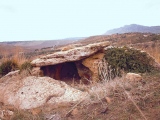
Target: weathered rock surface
154,63
33,92
83,72
12,73
74,54
36,71
133,77
92,63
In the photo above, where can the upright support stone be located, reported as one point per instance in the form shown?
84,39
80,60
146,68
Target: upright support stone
83,71
92,64
58,70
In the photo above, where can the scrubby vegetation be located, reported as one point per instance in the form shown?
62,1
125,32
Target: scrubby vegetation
26,66
117,99
8,66
129,60
25,115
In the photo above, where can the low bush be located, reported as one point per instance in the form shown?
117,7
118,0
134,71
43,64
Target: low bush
129,60
26,115
7,67
26,66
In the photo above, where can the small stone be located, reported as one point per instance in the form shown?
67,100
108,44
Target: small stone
104,110
108,100
53,117
133,77
10,113
74,112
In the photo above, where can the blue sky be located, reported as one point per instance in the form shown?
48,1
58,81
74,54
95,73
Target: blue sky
56,19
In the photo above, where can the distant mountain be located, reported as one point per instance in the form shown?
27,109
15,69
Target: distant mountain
134,28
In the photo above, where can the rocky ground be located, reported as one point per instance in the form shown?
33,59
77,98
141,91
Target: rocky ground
118,99
24,97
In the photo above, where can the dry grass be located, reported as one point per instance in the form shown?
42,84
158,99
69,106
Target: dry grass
152,48
15,53
116,99
120,99
25,115
129,100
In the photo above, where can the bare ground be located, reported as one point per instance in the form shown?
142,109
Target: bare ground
114,100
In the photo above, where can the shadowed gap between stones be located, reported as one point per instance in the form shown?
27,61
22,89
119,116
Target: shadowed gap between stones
68,71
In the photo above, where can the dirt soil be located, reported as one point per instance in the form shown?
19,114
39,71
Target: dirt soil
126,101
129,101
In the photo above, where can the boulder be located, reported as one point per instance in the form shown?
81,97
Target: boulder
133,77
32,92
92,63
70,55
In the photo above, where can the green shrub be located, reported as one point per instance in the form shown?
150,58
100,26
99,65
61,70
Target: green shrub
129,60
8,66
155,37
26,66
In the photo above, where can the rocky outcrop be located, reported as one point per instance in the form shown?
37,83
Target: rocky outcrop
74,62
70,55
33,92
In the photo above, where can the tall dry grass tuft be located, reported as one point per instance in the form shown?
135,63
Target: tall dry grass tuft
14,53
19,56
10,57
106,72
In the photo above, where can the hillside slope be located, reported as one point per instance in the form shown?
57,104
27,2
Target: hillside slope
134,28
41,43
